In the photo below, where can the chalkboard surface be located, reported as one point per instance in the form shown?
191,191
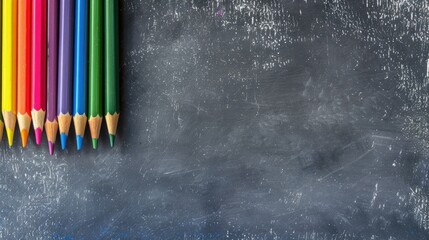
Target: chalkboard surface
246,119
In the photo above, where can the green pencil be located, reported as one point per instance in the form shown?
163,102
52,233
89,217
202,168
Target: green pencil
95,69
111,67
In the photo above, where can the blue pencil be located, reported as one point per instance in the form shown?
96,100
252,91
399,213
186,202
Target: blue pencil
80,70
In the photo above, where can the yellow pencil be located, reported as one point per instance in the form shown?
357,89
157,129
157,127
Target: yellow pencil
1,115
9,34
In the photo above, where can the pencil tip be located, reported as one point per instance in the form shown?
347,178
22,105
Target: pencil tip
38,133
51,148
94,143
112,140
9,134
63,138
24,138
79,142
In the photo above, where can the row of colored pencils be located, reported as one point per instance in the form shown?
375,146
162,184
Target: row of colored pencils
57,58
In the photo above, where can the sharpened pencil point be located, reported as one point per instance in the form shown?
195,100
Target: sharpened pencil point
38,134
112,140
9,134
24,122
24,138
79,142
63,138
1,130
51,147
94,143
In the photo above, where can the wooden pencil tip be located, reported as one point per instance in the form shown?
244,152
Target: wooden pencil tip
95,126
112,125
79,124
64,121
38,119
24,122
51,129
9,122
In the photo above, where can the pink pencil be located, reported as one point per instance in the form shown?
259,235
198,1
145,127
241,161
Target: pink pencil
38,68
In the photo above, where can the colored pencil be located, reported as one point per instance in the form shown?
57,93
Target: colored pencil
24,69
38,70
65,69
1,115
111,68
80,71
9,34
95,69
51,124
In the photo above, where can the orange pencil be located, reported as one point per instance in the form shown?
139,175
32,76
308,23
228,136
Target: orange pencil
24,69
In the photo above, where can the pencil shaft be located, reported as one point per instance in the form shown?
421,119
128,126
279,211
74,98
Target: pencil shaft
80,58
9,35
65,68
51,124
24,58
80,70
1,31
95,58
95,69
38,71
111,68
51,114
65,57
24,69
9,56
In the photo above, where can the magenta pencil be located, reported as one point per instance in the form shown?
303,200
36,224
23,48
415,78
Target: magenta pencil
38,70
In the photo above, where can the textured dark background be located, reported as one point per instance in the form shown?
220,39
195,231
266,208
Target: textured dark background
246,119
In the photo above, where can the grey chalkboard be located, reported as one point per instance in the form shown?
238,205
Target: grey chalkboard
246,119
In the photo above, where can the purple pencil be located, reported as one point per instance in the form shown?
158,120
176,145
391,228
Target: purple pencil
65,69
51,124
